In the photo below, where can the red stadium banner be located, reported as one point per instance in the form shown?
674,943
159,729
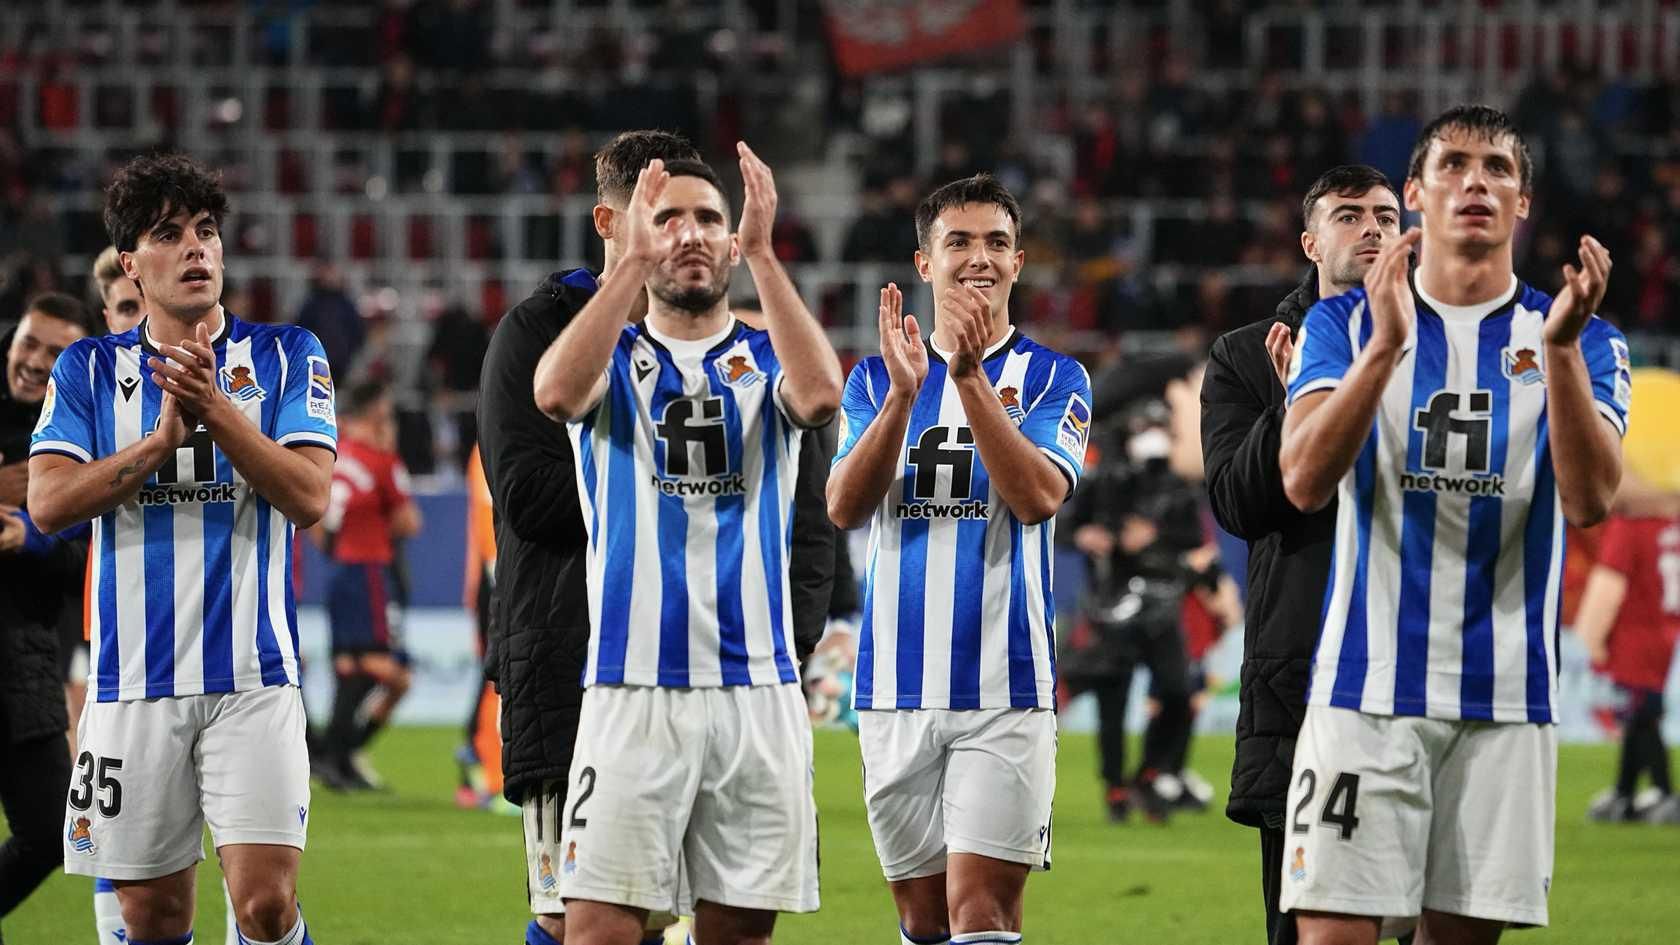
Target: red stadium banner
878,35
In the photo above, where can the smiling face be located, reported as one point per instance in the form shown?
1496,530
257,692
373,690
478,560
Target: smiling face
1347,232
696,274
178,264
38,342
973,244
1470,189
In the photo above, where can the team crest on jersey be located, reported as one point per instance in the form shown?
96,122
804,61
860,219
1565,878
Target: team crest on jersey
47,404
1521,364
1010,397
545,873
81,836
1298,865
239,385
570,866
1075,427
320,399
738,371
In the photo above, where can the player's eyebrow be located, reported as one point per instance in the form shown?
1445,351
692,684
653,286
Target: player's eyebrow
964,234
1356,208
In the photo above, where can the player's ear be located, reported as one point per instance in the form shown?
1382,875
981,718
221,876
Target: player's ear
604,217
924,266
734,249
1413,195
1020,260
1524,199
1309,246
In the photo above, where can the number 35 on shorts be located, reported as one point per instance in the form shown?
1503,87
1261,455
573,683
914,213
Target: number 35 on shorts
1338,810
95,779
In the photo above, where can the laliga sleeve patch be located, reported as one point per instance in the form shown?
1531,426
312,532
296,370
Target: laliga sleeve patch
47,404
319,401
1075,427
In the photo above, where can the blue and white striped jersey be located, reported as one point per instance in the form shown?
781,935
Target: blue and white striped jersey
686,469
957,611
1448,564
191,577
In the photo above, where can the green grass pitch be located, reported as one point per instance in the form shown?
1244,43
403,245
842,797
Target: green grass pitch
408,867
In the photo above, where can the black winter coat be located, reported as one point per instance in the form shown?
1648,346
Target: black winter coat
34,589
539,612
1289,556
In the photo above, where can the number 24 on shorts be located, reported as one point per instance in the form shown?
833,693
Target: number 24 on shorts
1338,809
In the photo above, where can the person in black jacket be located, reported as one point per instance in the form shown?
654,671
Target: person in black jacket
539,629
39,576
1347,215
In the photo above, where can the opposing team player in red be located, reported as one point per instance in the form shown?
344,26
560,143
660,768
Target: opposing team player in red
1629,619
369,511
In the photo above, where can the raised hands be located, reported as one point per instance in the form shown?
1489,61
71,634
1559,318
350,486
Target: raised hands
901,343
645,241
1583,292
970,315
1280,347
758,211
188,379
1389,292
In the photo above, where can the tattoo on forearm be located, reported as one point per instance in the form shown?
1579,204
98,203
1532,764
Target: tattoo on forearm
124,473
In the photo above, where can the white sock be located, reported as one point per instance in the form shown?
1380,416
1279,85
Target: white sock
294,937
107,915
987,938
905,939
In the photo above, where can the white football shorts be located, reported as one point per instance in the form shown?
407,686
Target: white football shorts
685,795
1391,815
151,773
938,781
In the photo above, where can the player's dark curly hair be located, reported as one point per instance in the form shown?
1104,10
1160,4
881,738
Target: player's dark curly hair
1483,121
979,189
618,163
1348,180
153,187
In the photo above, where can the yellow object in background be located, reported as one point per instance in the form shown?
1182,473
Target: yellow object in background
1652,446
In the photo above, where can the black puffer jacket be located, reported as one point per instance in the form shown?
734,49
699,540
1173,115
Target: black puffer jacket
33,591
539,611
1289,556
539,619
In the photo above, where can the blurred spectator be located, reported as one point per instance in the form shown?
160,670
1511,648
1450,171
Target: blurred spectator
455,356
330,314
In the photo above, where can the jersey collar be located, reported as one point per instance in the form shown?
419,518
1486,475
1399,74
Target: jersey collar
216,337
992,352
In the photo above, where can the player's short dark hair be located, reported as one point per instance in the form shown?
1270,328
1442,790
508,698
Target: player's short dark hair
357,399
155,186
980,189
1483,121
65,308
1348,180
700,169
618,163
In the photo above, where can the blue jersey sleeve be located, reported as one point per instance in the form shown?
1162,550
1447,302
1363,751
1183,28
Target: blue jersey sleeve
1323,350
66,426
306,416
859,404
1606,352
1059,421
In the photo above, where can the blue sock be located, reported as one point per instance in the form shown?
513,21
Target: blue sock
537,935
905,938
178,940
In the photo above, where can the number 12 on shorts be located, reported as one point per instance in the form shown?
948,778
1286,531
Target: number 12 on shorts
1338,809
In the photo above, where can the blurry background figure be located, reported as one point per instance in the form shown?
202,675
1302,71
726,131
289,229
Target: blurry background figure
1138,519
331,314
480,754
369,512
118,295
